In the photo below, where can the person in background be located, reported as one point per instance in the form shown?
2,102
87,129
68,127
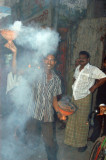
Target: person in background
12,80
77,62
77,127
100,99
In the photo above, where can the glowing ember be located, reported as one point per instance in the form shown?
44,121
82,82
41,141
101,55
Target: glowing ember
29,66
66,108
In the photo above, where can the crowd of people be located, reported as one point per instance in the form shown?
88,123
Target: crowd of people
87,78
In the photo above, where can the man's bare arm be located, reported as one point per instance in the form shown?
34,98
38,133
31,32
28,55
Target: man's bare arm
97,84
55,104
14,65
56,107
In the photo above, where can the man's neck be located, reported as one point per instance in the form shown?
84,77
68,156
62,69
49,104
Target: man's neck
82,67
49,74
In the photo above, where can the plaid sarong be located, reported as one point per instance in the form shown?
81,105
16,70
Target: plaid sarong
77,125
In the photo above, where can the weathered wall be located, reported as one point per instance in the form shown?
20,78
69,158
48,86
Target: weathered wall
36,11
89,35
89,39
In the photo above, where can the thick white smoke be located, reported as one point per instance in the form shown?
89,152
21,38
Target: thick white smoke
40,41
36,42
43,41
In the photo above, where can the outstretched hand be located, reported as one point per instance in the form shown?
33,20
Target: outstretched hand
10,45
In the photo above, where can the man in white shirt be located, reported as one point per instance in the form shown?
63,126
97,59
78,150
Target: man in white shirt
84,84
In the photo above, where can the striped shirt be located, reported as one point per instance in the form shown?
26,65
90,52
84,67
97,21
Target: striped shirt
44,92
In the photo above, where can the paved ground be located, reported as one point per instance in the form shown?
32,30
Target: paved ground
65,152
16,150
68,153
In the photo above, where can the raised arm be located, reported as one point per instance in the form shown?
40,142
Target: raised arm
14,50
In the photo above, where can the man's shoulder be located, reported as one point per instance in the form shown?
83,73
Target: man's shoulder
92,67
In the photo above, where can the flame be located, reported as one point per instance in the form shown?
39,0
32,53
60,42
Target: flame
63,118
29,66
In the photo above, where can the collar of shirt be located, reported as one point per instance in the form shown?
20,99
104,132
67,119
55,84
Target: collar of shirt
86,66
45,76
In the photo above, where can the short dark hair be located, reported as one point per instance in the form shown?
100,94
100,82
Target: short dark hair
84,53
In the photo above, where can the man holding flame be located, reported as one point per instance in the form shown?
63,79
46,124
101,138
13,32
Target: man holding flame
47,89
45,92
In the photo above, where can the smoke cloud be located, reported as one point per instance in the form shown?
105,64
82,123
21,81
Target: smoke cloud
43,41
33,44
36,42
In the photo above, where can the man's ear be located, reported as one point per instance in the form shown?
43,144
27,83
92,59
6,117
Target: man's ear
55,62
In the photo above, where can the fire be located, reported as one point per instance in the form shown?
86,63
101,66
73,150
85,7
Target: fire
63,118
29,66
36,67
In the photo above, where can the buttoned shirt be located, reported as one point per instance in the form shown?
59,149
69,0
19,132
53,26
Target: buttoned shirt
44,93
85,79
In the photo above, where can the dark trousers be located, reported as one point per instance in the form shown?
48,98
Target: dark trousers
47,129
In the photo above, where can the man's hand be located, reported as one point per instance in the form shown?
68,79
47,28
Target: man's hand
98,84
61,117
10,45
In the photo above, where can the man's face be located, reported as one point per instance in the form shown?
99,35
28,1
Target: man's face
49,62
83,60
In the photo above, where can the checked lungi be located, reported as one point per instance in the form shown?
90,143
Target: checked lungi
77,127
